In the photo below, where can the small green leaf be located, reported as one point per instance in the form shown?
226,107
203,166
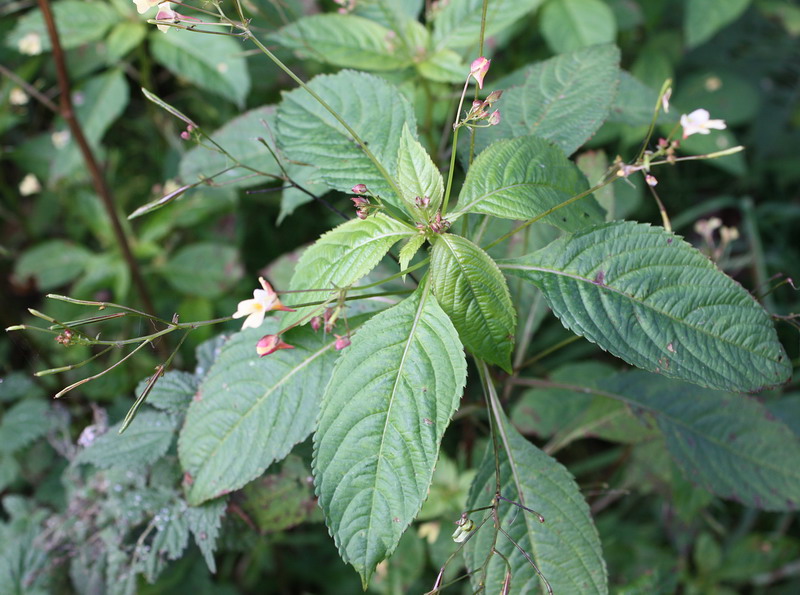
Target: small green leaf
525,177
376,110
204,523
564,99
730,444
22,424
340,258
78,23
410,248
566,547
650,298
569,25
457,23
239,137
259,406
214,63
473,293
146,440
417,176
51,264
344,40
204,269
391,396
704,18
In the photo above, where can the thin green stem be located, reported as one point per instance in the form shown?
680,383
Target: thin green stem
452,167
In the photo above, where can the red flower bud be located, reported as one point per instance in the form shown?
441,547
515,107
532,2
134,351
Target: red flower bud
270,344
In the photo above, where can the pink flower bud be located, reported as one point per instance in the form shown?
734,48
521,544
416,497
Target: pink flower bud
341,342
359,201
359,189
478,69
185,135
493,96
316,323
270,344
361,214
651,180
422,201
494,119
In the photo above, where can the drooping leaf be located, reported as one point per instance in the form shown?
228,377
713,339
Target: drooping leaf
569,25
51,264
457,23
417,176
260,407
730,444
212,62
564,99
526,177
23,423
344,40
566,547
372,107
340,258
204,269
473,292
651,299
384,412
703,18
239,137
144,442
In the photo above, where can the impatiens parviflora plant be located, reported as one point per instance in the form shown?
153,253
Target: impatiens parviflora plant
378,398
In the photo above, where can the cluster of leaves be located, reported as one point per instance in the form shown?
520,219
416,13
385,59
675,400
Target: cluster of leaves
378,410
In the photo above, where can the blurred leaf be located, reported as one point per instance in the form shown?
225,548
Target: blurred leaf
18,385
78,23
51,264
653,300
308,133
388,402
123,38
23,423
388,14
204,523
146,440
457,23
787,409
729,444
717,140
443,66
9,469
308,178
702,19
635,103
205,269
726,94
258,406
212,62
569,25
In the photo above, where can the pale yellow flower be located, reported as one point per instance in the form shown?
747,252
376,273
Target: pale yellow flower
264,300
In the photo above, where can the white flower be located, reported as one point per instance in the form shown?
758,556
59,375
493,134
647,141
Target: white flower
29,185
30,44
256,309
698,122
17,96
60,138
142,6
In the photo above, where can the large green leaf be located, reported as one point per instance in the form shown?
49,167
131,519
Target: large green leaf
344,40
568,25
525,177
564,99
386,407
473,293
703,18
417,176
730,444
239,137
566,547
204,269
650,298
214,63
457,23
251,411
340,258
372,107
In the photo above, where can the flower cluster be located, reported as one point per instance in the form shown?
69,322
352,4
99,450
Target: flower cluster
478,116
362,203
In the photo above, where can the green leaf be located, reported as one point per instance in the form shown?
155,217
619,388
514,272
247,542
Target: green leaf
569,25
146,440
22,424
123,38
525,177
340,258
51,264
375,109
650,298
78,23
619,199
443,66
388,14
205,269
384,412
636,102
204,523
564,99
258,406
457,23
473,293
729,444
18,385
102,100
410,248
239,137
566,547
214,63
173,392
787,409
417,176
704,18
344,40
